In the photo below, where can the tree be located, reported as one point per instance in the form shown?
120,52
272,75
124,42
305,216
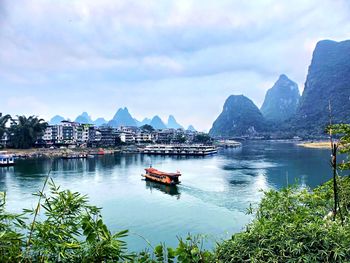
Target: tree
202,138
25,131
3,121
344,143
147,128
180,138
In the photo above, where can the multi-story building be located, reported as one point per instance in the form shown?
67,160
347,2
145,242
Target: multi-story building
165,136
85,132
127,137
108,136
68,132
51,134
143,137
64,133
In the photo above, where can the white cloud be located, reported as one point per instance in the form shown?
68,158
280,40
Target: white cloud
74,47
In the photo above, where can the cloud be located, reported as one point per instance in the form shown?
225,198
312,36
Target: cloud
32,105
78,47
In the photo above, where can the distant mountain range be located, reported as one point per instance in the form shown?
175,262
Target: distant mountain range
124,118
56,120
284,112
84,118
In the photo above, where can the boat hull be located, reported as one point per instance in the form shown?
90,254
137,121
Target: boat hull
6,164
159,180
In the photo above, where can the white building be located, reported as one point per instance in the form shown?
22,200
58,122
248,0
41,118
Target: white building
143,137
127,137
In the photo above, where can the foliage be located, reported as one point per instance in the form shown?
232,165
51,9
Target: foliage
11,240
70,230
180,138
25,131
188,250
147,128
202,138
292,225
343,130
3,120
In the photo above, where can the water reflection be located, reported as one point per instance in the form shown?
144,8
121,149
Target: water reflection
166,189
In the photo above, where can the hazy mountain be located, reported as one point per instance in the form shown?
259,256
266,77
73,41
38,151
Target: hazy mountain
191,128
84,118
138,123
281,101
145,121
172,123
328,80
157,123
122,118
56,120
239,117
100,122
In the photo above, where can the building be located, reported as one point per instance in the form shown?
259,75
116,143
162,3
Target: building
126,137
143,137
108,136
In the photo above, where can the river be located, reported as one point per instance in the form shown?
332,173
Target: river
212,199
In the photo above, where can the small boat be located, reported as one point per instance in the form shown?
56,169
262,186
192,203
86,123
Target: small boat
155,175
6,160
101,152
75,156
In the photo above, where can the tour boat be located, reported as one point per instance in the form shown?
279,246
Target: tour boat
162,177
6,160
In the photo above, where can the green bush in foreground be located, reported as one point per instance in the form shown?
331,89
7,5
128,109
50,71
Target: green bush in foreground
294,225
66,228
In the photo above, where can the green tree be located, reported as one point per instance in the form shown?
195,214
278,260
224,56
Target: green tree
343,130
202,138
147,128
180,138
292,225
3,120
25,131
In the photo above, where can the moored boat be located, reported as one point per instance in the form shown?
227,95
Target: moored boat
155,175
6,160
75,156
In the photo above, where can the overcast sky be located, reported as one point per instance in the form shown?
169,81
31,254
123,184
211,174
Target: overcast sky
181,57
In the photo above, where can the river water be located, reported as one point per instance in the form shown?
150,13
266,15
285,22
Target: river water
212,199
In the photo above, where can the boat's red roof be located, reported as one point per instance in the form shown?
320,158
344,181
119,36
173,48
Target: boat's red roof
155,171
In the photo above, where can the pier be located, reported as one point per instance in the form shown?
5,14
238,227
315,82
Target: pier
191,150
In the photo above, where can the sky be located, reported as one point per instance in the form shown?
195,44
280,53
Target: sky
181,57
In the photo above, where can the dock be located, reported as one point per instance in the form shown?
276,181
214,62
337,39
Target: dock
189,150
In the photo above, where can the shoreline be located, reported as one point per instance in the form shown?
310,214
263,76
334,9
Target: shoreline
54,153
315,145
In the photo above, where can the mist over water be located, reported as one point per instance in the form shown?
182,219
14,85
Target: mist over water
212,198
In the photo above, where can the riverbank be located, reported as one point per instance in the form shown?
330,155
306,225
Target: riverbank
54,153
316,145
